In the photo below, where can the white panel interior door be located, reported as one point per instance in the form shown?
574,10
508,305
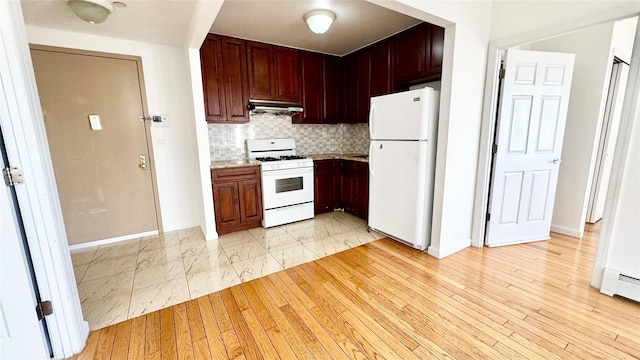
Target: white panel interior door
531,119
607,144
21,336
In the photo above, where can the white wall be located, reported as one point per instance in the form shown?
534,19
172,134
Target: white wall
591,76
624,255
167,86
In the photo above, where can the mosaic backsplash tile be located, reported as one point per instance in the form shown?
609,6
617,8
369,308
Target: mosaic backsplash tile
228,142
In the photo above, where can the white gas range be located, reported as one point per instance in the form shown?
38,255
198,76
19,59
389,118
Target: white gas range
287,181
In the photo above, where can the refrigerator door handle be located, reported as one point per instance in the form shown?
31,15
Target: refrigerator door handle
371,114
370,158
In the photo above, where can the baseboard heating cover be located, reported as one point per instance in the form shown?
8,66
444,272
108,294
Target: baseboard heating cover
614,283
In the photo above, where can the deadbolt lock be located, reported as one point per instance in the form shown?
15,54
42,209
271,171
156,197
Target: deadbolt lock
143,162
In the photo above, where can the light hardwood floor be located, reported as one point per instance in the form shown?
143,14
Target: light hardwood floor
385,300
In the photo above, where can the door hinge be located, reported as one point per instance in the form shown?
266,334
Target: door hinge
12,176
488,217
43,309
494,148
501,73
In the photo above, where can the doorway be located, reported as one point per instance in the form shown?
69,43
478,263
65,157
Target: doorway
94,111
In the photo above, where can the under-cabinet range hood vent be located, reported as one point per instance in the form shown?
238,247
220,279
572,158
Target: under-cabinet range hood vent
274,107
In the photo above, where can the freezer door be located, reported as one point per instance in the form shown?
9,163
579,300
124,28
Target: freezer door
401,116
400,191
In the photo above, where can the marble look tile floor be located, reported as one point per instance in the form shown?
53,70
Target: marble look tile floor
121,281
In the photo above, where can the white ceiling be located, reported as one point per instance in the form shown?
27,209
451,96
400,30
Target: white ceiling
358,23
157,22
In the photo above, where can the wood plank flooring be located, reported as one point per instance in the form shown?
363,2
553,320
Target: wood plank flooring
385,300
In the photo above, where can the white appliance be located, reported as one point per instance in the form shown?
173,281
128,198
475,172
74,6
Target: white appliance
402,154
287,181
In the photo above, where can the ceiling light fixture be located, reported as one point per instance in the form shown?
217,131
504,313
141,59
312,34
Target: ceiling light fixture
91,11
319,20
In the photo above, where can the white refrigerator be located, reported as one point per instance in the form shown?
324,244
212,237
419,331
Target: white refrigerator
403,129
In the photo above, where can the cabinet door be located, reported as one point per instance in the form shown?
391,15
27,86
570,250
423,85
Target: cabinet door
381,68
287,76
213,79
410,49
226,202
350,84
347,186
250,200
236,84
362,190
435,51
363,96
332,93
261,71
311,66
326,185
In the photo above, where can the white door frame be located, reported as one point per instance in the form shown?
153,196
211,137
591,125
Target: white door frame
494,55
27,147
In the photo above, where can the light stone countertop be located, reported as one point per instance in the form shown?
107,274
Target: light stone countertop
352,157
233,163
315,157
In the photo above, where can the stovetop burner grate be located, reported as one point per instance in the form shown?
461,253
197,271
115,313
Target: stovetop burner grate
287,157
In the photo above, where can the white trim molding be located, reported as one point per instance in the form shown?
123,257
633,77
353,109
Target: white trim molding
114,240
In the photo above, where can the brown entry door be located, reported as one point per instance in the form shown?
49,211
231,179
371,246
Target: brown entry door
104,191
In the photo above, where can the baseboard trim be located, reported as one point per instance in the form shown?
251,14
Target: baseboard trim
442,253
566,231
95,243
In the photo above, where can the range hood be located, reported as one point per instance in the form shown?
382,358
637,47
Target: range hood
274,107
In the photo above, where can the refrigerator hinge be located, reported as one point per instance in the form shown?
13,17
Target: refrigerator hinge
494,148
43,309
12,176
488,217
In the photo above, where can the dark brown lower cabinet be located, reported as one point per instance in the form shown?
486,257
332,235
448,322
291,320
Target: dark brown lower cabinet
342,184
327,185
237,198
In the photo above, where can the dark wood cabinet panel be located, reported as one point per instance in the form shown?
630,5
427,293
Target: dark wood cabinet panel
250,200
417,55
354,187
363,90
236,83
237,198
287,76
381,68
261,71
311,75
410,50
332,89
224,79
327,184
213,79
435,51
225,200
349,88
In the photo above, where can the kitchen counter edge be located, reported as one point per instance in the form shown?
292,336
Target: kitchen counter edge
352,157
232,164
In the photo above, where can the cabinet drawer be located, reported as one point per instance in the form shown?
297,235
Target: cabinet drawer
235,173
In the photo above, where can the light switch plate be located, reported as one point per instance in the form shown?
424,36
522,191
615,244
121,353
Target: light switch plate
95,122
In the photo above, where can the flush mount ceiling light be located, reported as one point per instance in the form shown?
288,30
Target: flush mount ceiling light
319,20
91,11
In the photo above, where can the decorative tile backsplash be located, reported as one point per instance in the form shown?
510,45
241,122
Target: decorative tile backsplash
228,142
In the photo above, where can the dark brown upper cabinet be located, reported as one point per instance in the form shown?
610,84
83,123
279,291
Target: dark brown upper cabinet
381,73
363,89
224,79
418,55
273,72
319,89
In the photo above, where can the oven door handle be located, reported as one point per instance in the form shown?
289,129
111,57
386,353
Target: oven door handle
280,173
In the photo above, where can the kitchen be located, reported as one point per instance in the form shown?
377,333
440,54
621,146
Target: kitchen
459,110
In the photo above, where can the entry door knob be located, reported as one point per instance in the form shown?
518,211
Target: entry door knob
557,161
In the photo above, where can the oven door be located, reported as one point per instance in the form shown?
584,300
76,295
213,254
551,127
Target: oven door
287,187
